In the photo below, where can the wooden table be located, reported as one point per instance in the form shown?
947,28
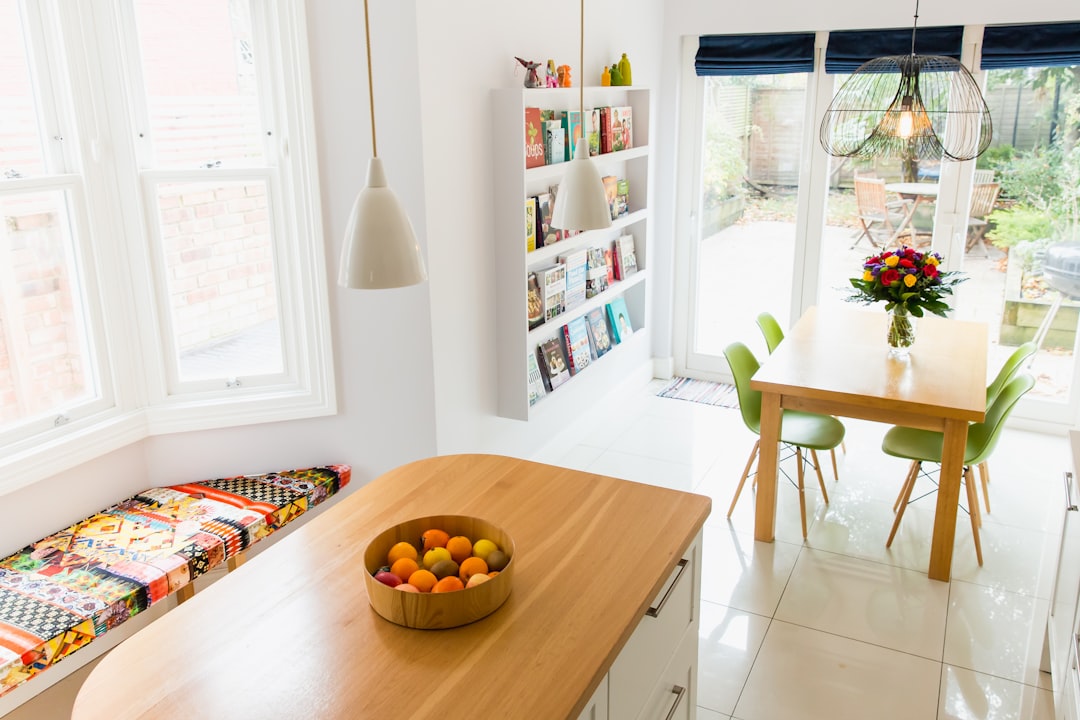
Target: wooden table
918,193
835,361
291,635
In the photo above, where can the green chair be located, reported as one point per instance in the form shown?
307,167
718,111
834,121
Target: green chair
799,430
773,333
925,446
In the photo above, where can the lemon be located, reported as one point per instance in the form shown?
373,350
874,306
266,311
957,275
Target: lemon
434,555
483,547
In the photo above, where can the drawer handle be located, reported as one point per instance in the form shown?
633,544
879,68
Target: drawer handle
678,691
655,611
1070,506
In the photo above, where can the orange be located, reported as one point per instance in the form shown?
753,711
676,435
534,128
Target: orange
423,580
460,547
471,566
434,538
448,584
404,567
400,550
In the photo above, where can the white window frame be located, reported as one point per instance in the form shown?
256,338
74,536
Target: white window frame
78,46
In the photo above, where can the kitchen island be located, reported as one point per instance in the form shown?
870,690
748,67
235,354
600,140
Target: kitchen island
601,620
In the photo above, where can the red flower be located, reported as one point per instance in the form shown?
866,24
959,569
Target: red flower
907,263
888,277
930,270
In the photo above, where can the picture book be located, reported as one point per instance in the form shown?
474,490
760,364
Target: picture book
592,130
576,264
619,317
611,189
609,264
605,129
537,388
626,256
571,121
530,223
622,197
620,127
596,272
534,138
576,343
598,332
548,234
552,362
552,283
554,142
536,302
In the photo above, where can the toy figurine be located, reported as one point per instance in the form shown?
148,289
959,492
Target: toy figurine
551,79
532,79
564,76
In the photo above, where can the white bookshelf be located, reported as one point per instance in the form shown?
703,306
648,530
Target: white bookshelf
513,184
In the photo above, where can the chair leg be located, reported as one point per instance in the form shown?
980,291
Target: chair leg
905,495
820,477
973,502
984,475
745,473
913,470
835,474
802,494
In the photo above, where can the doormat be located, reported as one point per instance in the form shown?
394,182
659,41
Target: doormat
701,391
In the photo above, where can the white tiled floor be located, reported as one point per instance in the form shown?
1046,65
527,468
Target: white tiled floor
838,626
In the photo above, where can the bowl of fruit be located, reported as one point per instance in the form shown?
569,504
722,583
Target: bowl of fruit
439,571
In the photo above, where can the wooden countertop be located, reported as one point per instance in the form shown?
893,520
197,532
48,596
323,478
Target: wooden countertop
290,634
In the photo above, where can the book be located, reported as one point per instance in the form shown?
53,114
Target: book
609,264
622,197
552,283
548,234
536,302
625,256
576,342
619,317
605,129
562,232
530,224
534,138
576,264
554,142
572,130
598,332
620,127
537,387
611,189
552,362
592,130
596,272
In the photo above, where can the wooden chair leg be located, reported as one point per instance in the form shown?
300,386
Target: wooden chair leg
185,593
745,473
802,494
820,477
984,475
835,474
236,561
912,473
973,501
905,495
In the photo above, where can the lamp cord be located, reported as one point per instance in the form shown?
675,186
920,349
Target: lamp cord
913,26
370,84
581,66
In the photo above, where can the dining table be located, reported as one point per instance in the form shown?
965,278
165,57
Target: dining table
836,361
919,193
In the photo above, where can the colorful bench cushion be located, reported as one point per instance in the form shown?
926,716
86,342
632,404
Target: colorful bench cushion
61,592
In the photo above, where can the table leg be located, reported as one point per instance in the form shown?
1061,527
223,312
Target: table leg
948,499
768,457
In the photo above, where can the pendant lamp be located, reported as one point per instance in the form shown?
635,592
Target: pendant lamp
380,249
581,203
908,107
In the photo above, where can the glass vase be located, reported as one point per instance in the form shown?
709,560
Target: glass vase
901,335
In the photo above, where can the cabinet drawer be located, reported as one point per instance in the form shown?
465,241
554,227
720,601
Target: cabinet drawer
674,697
633,674
597,707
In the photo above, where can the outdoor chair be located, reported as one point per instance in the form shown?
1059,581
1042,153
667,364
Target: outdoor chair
799,430
983,176
881,221
983,198
925,446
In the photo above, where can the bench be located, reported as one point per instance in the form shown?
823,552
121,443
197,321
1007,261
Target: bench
59,594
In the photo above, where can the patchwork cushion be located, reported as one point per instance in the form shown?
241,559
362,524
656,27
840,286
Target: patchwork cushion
61,592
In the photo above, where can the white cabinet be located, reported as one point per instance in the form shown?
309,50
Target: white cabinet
654,677
513,261
1062,622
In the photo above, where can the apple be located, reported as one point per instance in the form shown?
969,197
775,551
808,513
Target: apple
388,578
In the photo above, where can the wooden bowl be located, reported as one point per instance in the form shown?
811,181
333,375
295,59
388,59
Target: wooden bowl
431,611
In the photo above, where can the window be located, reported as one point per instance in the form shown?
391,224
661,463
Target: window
161,260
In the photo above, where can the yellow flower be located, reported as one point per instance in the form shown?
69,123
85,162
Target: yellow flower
910,280
930,260
892,260
867,275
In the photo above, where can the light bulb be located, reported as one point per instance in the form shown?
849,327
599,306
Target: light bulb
907,119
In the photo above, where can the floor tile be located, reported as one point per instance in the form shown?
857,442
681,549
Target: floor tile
728,643
643,469
706,714
744,574
967,695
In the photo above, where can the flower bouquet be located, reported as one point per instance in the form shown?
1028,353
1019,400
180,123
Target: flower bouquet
911,283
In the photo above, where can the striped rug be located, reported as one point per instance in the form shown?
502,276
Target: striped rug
702,391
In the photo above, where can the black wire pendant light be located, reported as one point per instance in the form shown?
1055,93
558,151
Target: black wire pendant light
935,110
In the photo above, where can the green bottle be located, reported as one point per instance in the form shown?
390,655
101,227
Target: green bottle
624,70
616,76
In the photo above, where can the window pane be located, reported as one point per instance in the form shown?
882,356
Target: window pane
220,276
203,104
21,153
44,362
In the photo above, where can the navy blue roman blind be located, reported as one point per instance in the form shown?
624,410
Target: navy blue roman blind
848,49
755,54
1012,46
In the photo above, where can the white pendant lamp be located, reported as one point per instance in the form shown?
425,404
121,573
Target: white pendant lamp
380,248
581,202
